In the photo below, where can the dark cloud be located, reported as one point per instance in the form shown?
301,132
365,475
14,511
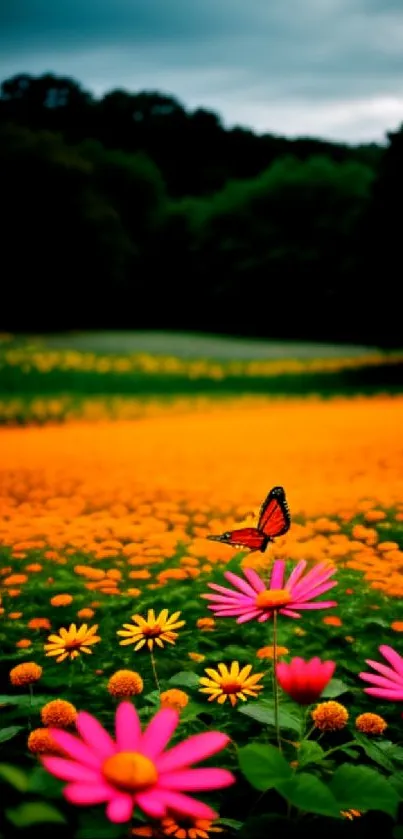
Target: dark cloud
329,67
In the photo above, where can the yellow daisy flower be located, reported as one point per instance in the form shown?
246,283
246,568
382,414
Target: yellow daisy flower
230,682
150,630
69,643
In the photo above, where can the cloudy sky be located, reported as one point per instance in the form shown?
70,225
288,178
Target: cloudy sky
330,68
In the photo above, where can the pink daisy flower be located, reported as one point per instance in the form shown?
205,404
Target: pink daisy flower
389,685
253,599
134,770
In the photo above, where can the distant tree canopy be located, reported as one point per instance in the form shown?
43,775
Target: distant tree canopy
131,211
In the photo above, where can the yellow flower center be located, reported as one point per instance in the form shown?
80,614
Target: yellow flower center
151,631
273,598
130,771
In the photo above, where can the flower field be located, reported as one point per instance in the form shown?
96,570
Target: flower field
158,683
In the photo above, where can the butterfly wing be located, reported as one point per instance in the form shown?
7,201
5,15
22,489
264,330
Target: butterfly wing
248,538
274,517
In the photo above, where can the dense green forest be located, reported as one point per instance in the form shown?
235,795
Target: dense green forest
131,211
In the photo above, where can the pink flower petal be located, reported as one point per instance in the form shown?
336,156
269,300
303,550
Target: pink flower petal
382,693
94,735
239,583
196,780
392,657
238,610
158,732
151,804
228,592
75,748
120,808
295,575
194,749
387,672
127,727
322,604
67,770
248,616
289,613
380,681
230,601
184,805
87,793
254,579
313,591
277,574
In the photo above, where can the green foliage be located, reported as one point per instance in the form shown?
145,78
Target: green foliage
363,788
30,813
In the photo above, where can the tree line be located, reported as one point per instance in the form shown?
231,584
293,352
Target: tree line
131,211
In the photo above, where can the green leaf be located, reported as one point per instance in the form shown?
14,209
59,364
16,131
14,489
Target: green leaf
310,794
264,713
42,783
184,679
192,710
363,788
34,812
8,733
335,688
309,752
263,766
24,701
232,823
14,776
374,752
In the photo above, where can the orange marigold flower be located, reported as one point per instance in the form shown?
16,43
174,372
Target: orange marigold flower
41,742
25,674
207,624
15,580
397,626
371,724
174,698
61,600
58,713
14,616
330,716
268,652
125,683
39,623
85,614
332,620
23,644
34,568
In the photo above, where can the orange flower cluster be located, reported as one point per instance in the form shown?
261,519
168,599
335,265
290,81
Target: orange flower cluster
131,492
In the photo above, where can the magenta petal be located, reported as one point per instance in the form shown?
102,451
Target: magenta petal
383,693
392,657
158,732
322,604
380,681
228,592
196,780
240,584
277,574
151,804
87,793
186,806
296,574
387,672
192,750
248,616
254,579
120,808
127,727
95,736
75,748
67,770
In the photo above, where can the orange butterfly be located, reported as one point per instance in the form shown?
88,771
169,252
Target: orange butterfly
274,520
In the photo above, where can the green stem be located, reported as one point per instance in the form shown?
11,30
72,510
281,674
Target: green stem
31,696
275,683
337,748
153,665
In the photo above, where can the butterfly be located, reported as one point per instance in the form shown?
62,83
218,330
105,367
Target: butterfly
274,520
